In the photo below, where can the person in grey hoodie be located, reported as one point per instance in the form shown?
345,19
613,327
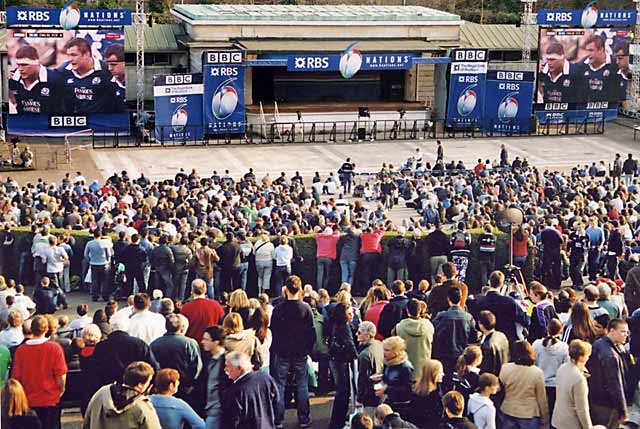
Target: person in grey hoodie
417,332
350,250
551,353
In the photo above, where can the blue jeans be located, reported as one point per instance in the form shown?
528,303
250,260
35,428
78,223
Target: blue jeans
323,272
212,422
508,422
342,377
348,269
280,367
244,270
100,281
66,280
180,284
281,273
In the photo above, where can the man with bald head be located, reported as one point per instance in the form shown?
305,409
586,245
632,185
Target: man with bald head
201,311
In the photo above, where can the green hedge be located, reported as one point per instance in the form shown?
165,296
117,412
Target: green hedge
307,249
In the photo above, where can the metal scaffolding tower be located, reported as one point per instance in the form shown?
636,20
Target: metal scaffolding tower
634,50
528,26
138,23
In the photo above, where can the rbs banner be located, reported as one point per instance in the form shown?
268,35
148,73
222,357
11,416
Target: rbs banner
178,102
466,87
223,100
508,102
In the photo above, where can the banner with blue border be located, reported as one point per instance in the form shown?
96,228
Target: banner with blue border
178,107
589,17
508,101
467,88
223,99
67,18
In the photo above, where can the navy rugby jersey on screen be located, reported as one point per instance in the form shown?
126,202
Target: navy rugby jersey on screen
92,93
42,97
600,84
562,89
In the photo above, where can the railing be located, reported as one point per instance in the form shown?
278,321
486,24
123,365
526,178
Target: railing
335,132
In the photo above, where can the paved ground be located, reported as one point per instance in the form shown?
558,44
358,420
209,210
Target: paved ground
554,152
160,163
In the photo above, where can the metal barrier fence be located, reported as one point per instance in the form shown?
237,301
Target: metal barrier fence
335,132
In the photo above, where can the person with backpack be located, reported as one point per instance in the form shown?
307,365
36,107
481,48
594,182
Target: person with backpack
397,257
460,252
542,310
481,409
486,253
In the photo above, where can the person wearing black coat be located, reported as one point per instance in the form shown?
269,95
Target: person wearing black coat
111,356
615,249
611,385
388,419
135,259
508,314
252,399
394,311
342,353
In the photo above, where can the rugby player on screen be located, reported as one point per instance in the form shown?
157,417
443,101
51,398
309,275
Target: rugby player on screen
600,79
33,88
114,55
87,80
556,83
621,51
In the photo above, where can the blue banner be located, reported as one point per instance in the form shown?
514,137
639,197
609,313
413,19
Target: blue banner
178,107
350,62
67,18
562,113
589,17
223,100
508,102
467,88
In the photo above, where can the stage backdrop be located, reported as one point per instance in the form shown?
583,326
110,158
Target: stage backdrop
178,104
223,100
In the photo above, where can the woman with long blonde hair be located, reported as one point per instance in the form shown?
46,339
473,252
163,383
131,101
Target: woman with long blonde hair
426,402
16,413
239,303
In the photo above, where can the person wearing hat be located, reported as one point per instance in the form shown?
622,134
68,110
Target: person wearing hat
326,244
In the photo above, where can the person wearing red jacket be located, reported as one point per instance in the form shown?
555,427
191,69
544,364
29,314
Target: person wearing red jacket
326,244
370,253
201,311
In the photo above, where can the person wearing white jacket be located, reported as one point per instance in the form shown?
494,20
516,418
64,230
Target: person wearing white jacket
480,408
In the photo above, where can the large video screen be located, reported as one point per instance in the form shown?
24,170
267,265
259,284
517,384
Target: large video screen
62,81
583,66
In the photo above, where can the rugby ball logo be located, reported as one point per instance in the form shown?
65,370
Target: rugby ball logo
589,15
179,118
69,17
467,100
508,108
350,62
225,100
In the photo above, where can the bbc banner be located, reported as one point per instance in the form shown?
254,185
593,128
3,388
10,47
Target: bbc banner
223,100
178,104
588,17
508,102
467,88
64,81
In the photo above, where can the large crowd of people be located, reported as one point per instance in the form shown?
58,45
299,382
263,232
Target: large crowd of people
182,340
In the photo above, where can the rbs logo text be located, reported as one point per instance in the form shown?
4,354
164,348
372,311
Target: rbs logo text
559,16
33,15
